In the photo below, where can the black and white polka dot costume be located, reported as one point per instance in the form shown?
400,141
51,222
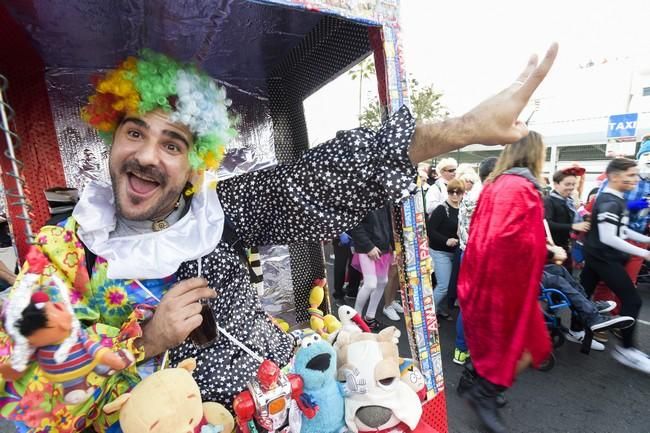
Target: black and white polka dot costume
328,190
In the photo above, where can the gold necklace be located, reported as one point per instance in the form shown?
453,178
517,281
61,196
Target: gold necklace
162,224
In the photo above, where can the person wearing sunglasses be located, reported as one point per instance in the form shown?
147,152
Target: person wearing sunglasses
437,194
442,227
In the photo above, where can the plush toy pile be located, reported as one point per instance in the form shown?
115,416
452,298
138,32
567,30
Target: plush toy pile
169,401
342,377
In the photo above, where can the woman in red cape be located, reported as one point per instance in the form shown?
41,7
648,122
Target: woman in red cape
499,280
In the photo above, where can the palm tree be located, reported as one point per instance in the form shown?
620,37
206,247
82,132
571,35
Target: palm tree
363,70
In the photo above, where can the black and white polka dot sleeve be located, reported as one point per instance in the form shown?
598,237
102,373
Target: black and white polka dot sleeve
328,190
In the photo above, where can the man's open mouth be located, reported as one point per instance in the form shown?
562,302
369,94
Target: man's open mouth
141,184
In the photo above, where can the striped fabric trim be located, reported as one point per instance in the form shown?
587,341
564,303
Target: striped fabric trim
609,216
75,372
81,360
256,264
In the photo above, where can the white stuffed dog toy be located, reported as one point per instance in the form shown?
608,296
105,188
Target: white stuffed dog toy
377,400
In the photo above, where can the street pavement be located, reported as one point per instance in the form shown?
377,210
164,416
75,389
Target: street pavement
582,393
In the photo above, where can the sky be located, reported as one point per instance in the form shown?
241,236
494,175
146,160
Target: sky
471,49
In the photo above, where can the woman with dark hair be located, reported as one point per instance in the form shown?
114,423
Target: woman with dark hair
560,211
373,246
499,279
442,228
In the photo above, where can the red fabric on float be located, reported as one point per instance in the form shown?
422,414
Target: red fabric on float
39,149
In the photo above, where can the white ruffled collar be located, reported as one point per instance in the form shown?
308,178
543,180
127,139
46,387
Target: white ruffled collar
154,254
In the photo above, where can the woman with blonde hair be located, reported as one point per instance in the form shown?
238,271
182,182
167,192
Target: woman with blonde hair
467,174
500,276
437,193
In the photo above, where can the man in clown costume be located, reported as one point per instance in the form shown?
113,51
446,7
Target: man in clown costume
141,257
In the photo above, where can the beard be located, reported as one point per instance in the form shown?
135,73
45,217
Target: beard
158,208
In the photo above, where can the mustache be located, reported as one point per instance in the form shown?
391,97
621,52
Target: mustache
148,171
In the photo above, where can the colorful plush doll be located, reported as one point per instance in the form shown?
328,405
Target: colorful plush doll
315,362
268,398
49,333
323,325
411,375
169,401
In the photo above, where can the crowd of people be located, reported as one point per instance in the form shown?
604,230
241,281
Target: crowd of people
497,238
514,238
143,261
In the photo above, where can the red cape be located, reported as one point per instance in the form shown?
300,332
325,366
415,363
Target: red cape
499,280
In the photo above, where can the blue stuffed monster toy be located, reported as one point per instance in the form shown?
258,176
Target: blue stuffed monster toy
315,362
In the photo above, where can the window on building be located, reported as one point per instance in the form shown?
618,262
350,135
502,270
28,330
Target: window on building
590,152
646,91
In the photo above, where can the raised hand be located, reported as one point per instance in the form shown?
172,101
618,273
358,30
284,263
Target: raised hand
493,121
496,120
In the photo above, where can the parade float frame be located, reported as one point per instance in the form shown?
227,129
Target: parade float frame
323,39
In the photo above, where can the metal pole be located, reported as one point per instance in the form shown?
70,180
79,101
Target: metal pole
554,157
6,113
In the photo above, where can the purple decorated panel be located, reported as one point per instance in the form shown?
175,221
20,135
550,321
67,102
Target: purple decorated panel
236,41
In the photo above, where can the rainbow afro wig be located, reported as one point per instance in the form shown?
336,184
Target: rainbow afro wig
155,81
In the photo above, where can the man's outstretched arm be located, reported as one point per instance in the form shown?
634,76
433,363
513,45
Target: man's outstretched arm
493,121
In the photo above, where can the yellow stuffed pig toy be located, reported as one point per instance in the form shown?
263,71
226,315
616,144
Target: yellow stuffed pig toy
169,401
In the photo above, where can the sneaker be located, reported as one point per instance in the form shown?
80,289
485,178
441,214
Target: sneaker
391,313
617,333
619,322
578,336
632,357
460,356
601,337
373,324
397,307
605,306
444,316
